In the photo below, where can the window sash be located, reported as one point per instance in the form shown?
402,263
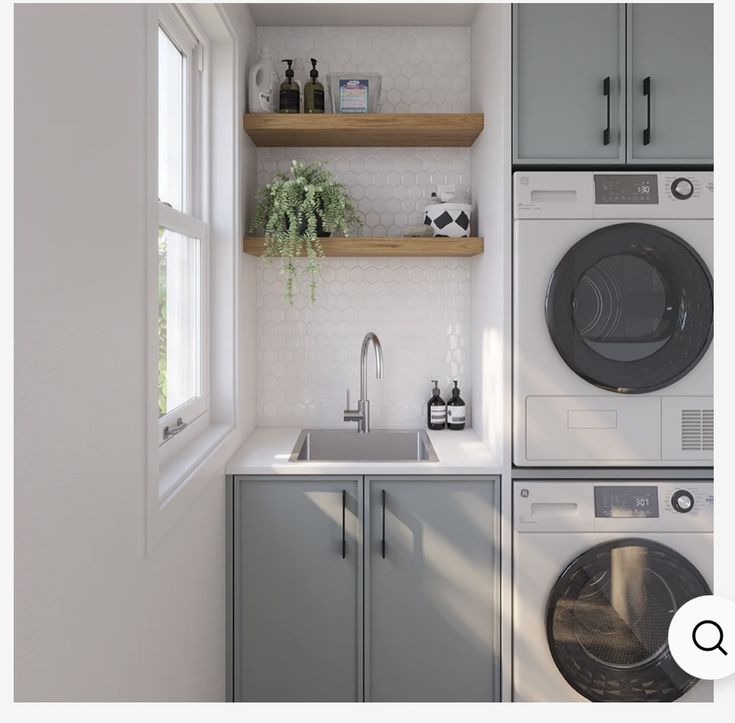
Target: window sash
182,36
182,223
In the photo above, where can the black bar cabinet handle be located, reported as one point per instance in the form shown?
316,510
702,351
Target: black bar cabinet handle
606,93
647,93
344,539
382,541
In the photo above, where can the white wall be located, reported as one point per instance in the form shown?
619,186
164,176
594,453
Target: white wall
491,176
242,18
309,353
95,619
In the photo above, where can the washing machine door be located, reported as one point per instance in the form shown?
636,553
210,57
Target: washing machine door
608,618
629,308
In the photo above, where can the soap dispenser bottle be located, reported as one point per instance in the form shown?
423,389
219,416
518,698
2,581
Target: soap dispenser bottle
314,92
436,410
288,98
455,410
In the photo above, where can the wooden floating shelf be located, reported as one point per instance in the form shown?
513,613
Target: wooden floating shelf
364,129
387,246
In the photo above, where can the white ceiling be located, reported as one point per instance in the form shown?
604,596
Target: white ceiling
352,14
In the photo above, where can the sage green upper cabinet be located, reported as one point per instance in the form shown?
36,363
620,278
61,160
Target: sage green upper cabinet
569,70
659,59
670,71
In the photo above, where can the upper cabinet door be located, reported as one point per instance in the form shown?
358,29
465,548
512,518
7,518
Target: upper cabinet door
670,79
569,68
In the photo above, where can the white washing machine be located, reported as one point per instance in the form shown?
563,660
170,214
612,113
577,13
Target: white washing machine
612,319
599,569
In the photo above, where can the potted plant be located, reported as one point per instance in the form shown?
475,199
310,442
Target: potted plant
295,209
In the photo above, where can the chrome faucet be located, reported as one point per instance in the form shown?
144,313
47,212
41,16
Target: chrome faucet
361,415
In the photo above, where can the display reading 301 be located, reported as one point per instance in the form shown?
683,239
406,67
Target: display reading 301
626,501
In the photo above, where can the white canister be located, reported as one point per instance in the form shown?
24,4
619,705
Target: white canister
449,219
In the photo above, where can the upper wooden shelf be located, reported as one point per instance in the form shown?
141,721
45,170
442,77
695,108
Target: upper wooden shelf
386,246
364,129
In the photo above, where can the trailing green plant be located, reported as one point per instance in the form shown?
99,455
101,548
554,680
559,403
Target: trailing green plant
292,209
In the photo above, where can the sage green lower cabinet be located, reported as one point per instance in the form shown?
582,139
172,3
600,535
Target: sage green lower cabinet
297,599
431,571
410,615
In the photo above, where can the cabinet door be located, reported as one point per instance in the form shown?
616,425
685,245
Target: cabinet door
431,618
298,600
671,45
562,102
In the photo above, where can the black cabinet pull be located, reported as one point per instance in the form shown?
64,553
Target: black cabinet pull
344,539
382,541
647,93
606,93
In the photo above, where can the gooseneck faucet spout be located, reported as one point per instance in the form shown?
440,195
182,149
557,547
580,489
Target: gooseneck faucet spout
361,415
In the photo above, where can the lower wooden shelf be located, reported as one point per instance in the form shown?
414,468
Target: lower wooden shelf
386,246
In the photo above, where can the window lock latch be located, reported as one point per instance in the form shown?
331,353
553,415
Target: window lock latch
172,430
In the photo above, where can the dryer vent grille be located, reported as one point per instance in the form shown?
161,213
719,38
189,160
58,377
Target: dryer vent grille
697,430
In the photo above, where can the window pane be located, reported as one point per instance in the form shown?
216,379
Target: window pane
170,122
179,320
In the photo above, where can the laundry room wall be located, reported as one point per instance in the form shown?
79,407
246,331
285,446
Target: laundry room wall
308,354
96,617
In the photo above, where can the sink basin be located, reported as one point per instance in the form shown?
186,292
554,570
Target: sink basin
347,445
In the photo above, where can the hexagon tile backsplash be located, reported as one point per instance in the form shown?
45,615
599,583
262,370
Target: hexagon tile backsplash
423,69
390,186
308,354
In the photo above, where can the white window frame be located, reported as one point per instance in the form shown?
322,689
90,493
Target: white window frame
179,425
177,471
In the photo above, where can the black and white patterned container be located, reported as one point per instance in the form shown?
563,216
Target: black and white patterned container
449,219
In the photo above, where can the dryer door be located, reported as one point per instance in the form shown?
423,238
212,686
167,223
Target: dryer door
608,617
629,308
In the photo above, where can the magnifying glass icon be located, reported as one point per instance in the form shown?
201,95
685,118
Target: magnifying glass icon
709,648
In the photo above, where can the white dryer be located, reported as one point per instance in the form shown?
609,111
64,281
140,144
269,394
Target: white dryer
599,569
612,319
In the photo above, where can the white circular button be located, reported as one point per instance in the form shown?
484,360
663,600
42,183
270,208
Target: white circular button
702,637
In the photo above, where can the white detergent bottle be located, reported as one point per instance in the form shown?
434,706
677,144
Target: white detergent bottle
263,81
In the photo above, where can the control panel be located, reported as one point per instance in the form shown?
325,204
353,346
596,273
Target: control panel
613,194
620,506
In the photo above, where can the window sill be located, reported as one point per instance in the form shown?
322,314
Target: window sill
184,476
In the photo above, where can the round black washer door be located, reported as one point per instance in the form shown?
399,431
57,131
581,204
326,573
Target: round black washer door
629,308
608,616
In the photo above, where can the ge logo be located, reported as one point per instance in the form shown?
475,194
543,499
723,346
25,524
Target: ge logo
524,492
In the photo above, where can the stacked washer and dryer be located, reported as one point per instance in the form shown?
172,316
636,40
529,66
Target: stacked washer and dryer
612,372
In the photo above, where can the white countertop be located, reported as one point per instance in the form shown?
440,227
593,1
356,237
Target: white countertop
267,450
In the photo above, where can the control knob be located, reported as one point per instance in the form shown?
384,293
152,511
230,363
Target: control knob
682,501
682,188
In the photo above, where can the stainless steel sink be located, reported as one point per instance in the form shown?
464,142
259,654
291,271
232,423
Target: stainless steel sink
380,445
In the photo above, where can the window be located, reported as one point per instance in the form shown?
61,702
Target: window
194,224
182,231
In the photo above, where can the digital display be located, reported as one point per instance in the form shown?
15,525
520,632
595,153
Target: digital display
626,501
626,189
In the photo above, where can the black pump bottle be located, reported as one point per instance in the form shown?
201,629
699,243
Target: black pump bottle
436,410
455,410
